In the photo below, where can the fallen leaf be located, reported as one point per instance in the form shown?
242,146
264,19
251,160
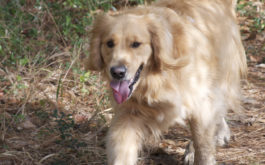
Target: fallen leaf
253,58
79,118
252,36
27,124
1,95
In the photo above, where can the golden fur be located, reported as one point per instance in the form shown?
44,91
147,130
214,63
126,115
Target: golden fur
193,59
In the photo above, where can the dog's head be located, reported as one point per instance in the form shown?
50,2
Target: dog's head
125,47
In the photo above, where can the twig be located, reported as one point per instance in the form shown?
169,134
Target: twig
46,157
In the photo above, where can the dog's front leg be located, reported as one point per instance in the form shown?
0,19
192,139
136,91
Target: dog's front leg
124,140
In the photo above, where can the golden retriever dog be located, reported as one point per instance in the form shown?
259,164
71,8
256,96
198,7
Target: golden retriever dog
175,61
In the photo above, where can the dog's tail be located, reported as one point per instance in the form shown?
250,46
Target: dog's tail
232,4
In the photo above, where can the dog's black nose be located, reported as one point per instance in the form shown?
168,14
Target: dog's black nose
118,72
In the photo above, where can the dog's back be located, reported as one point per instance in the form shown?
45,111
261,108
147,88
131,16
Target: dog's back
225,38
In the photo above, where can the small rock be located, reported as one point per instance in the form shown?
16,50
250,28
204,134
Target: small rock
19,128
260,65
249,101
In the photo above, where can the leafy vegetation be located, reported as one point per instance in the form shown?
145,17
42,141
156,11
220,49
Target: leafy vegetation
253,10
31,30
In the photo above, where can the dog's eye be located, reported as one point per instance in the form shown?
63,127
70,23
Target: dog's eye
110,44
135,44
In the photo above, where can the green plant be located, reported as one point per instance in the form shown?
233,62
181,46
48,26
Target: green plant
65,126
250,9
19,118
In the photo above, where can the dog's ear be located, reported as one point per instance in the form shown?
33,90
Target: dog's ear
95,60
165,54
161,41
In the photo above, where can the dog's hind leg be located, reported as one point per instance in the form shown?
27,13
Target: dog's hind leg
203,142
203,126
222,137
124,139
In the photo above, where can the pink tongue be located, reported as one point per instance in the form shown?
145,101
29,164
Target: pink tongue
120,90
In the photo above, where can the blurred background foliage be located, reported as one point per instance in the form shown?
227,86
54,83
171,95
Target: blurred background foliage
42,27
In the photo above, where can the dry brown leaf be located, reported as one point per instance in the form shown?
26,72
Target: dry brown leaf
1,95
79,118
27,124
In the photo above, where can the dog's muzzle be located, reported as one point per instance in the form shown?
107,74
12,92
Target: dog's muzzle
122,89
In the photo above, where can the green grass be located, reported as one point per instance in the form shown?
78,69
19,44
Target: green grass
41,28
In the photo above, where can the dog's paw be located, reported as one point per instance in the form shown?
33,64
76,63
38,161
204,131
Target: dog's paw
222,140
189,154
223,134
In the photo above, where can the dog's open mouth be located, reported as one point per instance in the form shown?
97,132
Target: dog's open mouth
122,89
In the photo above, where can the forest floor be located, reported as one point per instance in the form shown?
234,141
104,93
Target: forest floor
55,113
